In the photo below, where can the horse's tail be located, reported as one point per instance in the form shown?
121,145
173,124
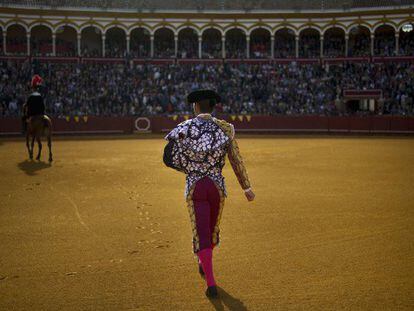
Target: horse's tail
47,123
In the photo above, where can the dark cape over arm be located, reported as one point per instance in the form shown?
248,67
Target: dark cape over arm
168,157
172,157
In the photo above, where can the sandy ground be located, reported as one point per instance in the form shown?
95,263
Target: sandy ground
106,228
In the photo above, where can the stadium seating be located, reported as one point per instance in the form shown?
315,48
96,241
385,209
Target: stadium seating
121,89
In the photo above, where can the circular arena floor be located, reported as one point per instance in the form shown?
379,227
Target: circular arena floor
105,227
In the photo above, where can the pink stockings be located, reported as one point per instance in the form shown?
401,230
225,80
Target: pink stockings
206,199
206,258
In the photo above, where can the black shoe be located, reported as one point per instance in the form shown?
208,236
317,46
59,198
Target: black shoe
200,270
211,292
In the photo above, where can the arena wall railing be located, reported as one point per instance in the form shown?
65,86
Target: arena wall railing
36,29
166,61
89,125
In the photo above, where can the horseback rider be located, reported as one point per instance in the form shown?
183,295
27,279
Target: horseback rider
34,105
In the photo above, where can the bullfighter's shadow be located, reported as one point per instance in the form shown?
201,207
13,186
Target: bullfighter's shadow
31,167
225,299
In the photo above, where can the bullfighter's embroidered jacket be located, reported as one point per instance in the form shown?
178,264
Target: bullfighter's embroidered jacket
197,147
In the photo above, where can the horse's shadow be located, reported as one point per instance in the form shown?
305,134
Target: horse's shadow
225,299
31,167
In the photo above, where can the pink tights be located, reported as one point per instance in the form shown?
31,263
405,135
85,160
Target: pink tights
206,258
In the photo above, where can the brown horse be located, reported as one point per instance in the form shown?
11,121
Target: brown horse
38,126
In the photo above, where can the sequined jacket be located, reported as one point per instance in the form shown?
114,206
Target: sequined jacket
197,147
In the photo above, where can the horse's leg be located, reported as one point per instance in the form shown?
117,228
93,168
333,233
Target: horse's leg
28,146
32,147
49,144
39,144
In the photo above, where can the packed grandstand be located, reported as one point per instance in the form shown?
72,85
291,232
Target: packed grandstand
138,57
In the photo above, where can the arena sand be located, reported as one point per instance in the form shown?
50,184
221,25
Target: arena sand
106,228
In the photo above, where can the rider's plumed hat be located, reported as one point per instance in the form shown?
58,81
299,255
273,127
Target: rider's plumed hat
199,95
36,81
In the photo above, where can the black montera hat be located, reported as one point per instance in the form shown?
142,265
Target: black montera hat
200,95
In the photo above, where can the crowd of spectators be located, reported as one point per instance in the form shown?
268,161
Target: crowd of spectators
310,47
145,89
188,47
260,49
236,47
91,51
65,48
385,45
285,46
211,48
164,46
406,44
16,46
140,49
41,47
334,46
359,45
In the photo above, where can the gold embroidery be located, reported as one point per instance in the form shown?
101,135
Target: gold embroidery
234,155
190,206
239,169
216,231
227,128
215,235
237,164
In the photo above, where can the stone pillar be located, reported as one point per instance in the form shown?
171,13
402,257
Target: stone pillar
175,45
128,43
397,43
200,41
223,46
54,44
272,47
5,42
346,45
79,36
28,43
372,43
247,46
103,44
321,47
297,46
152,46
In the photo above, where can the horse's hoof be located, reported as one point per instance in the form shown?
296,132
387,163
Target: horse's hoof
50,160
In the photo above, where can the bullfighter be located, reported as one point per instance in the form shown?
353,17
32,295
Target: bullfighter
197,147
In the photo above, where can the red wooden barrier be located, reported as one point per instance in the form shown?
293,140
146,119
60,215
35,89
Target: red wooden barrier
360,124
242,123
77,125
363,124
380,124
339,124
399,124
10,126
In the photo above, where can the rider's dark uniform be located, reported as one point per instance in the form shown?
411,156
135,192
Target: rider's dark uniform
33,107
